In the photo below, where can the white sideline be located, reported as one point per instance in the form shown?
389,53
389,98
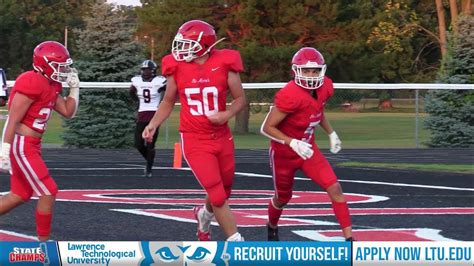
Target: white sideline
269,176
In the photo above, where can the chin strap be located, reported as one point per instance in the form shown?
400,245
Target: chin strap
212,46
193,56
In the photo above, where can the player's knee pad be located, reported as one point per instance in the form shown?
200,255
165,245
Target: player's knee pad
284,197
218,200
51,187
54,191
217,195
228,178
277,203
26,196
228,191
328,183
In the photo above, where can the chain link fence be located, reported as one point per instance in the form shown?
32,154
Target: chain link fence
364,115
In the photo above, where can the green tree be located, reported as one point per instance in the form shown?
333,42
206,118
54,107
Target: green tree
404,37
106,52
268,33
451,119
24,24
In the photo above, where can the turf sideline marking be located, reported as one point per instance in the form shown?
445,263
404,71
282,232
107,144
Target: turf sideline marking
5,234
269,176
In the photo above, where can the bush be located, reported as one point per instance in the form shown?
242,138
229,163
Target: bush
451,112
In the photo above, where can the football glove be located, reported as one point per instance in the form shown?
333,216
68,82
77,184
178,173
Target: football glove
73,82
302,148
73,79
334,142
5,164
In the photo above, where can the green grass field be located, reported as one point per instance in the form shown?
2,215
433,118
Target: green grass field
356,130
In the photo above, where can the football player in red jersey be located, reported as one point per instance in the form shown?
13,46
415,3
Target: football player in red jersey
33,97
202,77
298,108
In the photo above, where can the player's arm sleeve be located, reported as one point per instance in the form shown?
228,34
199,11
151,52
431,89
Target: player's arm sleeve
26,86
162,84
329,88
327,93
133,92
168,66
285,102
234,61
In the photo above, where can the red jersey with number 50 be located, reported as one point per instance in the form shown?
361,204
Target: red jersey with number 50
202,88
305,111
43,92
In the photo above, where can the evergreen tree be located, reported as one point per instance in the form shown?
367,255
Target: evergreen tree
268,33
451,112
24,24
107,52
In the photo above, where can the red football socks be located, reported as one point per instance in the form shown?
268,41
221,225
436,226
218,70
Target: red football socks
341,210
43,223
273,214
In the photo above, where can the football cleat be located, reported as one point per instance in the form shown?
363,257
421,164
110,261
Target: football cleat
199,216
148,173
237,237
272,233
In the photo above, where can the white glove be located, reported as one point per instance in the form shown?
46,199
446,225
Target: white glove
335,142
73,82
73,79
302,148
5,164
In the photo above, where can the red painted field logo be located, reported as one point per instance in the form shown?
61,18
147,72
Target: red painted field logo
27,255
186,197
250,210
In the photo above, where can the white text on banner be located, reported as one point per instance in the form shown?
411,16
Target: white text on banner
413,253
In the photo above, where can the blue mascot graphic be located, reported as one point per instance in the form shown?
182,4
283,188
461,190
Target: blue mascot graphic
183,253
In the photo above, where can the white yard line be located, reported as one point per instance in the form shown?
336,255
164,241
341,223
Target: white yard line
269,176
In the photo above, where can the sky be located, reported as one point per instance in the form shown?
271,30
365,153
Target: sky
125,2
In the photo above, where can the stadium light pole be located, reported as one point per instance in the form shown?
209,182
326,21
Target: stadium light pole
65,37
152,46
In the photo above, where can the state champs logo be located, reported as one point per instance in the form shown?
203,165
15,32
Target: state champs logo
29,254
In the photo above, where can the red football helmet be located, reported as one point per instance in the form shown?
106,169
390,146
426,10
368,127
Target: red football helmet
52,60
194,39
308,57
